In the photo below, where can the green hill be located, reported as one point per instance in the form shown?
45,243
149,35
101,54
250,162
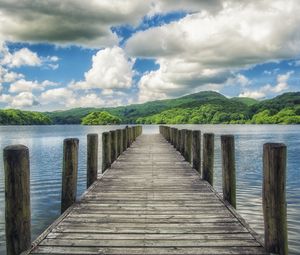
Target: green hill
202,107
129,114
18,117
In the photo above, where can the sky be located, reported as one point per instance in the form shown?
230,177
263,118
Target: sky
56,55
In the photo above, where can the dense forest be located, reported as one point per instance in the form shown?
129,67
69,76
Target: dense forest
200,108
100,118
17,117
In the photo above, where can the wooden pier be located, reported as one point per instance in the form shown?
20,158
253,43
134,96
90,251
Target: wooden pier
149,202
150,199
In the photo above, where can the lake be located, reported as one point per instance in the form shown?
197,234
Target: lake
45,146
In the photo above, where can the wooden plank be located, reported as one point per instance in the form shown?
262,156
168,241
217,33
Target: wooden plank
150,201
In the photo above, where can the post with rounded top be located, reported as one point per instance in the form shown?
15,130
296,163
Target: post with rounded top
113,145
106,151
92,158
274,198
17,199
196,144
188,146
208,157
228,169
69,173
124,137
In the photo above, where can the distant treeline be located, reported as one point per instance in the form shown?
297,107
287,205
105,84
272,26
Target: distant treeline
200,108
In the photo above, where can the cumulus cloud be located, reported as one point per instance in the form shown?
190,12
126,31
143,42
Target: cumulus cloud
22,57
236,37
24,85
24,99
111,69
79,22
281,86
7,76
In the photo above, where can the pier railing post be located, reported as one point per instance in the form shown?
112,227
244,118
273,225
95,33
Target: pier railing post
182,141
127,137
196,134
274,198
178,139
69,173
106,151
208,157
119,142
113,146
92,159
124,137
228,169
188,146
17,199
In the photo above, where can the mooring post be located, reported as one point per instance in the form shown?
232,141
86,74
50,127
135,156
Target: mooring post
188,146
92,159
175,137
69,173
113,146
182,143
124,138
119,142
208,157
196,134
106,151
274,198
228,169
17,199
178,139
127,137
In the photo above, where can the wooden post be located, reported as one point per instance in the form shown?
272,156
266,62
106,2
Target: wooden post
178,139
92,159
124,137
208,158
182,142
69,173
127,137
196,134
106,151
228,169
17,199
175,137
274,201
113,145
132,135
188,146
119,142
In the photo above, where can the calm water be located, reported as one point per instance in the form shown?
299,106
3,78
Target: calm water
45,145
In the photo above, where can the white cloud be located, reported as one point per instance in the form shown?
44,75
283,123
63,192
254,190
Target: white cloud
111,69
24,85
57,95
24,99
88,100
7,76
22,57
281,86
238,36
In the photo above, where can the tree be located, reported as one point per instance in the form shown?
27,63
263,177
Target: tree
100,118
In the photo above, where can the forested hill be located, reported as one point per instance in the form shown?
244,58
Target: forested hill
198,108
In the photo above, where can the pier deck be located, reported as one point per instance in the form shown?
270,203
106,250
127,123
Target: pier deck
150,201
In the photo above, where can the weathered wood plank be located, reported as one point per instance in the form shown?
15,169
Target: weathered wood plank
150,201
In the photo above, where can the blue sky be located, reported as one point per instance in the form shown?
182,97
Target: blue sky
60,55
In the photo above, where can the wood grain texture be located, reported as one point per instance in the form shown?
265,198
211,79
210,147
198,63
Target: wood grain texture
150,201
